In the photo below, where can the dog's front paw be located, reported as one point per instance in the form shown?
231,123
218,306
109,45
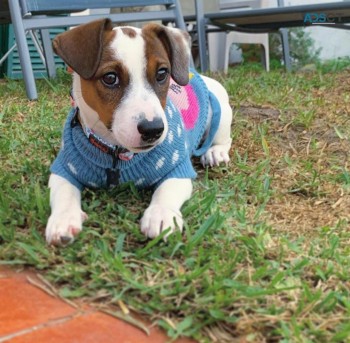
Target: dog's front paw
215,155
61,227
157,218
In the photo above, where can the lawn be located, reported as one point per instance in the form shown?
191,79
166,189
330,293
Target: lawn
264,255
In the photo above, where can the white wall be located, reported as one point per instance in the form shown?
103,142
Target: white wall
333,42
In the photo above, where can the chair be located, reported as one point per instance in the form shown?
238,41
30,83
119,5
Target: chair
5,18
219,43
269,20
28,15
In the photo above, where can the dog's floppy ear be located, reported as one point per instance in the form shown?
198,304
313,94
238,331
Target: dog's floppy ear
177,45
81,47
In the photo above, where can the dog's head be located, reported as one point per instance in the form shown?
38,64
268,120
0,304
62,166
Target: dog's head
123,75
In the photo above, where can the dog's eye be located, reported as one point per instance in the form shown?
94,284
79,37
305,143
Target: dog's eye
162,74
110,79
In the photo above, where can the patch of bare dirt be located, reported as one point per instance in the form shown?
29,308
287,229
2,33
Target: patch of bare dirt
305,162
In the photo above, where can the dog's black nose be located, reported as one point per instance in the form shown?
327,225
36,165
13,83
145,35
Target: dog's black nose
150,130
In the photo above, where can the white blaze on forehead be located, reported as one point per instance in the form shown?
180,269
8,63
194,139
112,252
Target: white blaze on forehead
140,99
131,51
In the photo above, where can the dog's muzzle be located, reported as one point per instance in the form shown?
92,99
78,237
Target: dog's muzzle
150,131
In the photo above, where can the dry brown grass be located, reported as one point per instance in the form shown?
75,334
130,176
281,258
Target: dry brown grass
300,204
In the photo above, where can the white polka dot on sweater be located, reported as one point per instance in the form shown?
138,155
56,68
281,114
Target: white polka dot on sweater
160,163
170,111
170,137
179,130
175,157
72,168
139,182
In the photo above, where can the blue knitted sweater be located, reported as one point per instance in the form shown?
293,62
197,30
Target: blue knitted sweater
85,165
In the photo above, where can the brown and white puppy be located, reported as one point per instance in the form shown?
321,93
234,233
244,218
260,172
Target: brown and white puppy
120,85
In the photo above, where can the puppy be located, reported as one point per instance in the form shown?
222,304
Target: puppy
140,114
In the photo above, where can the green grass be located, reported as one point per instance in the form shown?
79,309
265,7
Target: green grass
264,255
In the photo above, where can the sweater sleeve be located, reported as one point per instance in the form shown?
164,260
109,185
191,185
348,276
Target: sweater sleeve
59,169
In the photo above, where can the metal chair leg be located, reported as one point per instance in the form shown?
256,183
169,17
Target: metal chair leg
180,23
48,53
285,48
202,42
23,50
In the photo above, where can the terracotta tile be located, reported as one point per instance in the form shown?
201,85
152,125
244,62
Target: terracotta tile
23,305
28,314
93,328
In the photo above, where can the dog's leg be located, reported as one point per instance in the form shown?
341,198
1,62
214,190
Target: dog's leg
164,209
66,217
219,151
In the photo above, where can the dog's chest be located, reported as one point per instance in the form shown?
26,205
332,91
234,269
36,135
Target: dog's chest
186,111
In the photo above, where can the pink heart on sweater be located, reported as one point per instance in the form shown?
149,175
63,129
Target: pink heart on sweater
185,100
